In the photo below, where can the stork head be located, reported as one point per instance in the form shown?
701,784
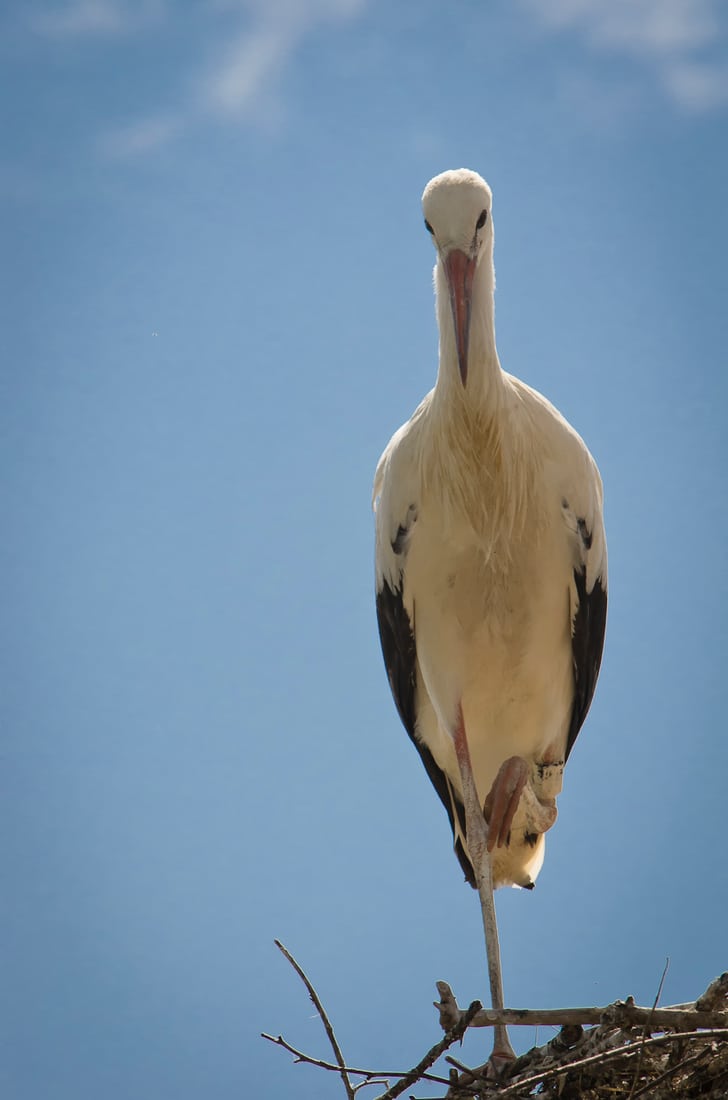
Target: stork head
457,207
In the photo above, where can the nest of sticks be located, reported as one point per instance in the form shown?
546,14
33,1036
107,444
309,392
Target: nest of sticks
619,1052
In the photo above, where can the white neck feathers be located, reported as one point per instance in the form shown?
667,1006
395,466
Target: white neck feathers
475,457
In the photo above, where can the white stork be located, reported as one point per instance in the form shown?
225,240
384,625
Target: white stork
491,576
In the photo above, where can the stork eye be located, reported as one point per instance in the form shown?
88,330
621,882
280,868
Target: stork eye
482,220
429,228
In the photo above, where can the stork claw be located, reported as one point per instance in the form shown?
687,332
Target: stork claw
502,801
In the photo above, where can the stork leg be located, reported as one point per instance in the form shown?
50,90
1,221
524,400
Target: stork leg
478,848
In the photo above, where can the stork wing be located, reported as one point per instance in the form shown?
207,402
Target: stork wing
396,517
587,642
400,655
396,634
588,602
395,506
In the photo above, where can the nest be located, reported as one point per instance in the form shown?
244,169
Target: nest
619,1052
628,1052
609,1063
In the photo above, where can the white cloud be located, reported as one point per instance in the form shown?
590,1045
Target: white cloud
698,87
140,137
648,26
251,67
247,69
672,37
245,72
86,18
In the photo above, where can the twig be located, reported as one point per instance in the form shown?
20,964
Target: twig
433,1054
467,1077
324,1019
369,1084
321,1063
646,1030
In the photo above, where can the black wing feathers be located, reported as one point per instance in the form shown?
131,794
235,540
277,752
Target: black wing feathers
587,643
398,649
400,658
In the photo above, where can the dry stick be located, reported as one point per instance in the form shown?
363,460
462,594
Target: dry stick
621,1013
321,1063
468,1076
703,1013
606,1056
646,1031
369,1084
418,1072
324,1019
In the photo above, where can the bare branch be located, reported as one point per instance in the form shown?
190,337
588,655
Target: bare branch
324,1019
369,1083
299,1056
418,1072
321,1063
620,1014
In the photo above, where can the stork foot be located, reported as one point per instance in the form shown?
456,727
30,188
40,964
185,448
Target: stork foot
495,1069
499,1062
503,1055
503,798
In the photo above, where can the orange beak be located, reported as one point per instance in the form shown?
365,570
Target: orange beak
460,270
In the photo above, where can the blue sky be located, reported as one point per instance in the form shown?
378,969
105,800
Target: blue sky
217,307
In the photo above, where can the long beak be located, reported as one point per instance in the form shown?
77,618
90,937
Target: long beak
460,269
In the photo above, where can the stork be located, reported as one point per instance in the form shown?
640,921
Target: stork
491,576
